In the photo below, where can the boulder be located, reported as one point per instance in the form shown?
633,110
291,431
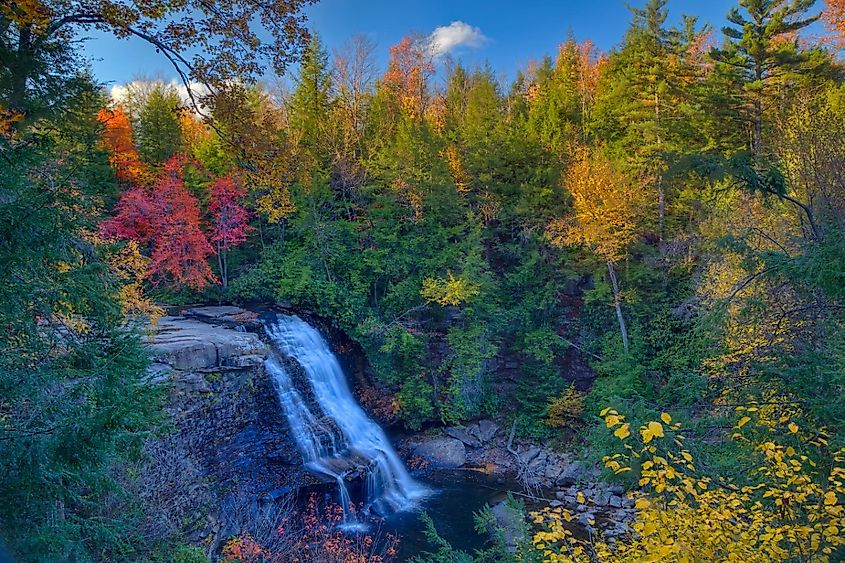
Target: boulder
487,430
509,521
570,475
443,452
462,435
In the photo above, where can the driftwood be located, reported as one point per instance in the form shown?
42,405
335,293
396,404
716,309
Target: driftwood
527,476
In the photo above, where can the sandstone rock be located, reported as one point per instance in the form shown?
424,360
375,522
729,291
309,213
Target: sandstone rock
187,344
443,452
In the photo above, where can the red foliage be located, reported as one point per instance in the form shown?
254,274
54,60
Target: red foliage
137,218
230,220
180,249
313,536
169,219
123,156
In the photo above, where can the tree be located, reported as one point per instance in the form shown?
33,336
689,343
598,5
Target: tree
606,210
407,75
74,403
762,47
834,19
159,129
168,219
211,42
137,217
230,220
310,105
353,75
180,249
123,156
789,510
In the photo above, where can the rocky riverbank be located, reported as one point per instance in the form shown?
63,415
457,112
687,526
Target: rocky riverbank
545,476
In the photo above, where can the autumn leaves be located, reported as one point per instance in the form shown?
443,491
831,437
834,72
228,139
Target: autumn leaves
160,214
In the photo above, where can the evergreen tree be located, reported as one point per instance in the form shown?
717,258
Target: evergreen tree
159,132
310,105
761,47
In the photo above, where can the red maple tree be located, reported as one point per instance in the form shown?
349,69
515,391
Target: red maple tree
180,248
230,220
168,218
136,219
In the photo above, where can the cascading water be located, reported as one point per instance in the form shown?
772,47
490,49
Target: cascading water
333,433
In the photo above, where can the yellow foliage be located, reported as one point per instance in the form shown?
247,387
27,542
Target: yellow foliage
607,207
456,169
452,291
565,410
794,512
276,203
131,267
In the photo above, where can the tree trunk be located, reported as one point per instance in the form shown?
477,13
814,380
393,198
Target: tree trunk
661,198
221,264
19,67
617,303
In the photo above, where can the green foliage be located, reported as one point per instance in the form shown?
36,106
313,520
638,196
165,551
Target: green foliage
74,405
159,135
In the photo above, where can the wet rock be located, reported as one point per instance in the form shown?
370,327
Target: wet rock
443,452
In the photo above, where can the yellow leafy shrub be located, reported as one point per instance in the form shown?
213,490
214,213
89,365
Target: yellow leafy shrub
566,410
450,291
794,512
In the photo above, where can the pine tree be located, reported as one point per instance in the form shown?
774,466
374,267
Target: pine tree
761,47
310,105
159,130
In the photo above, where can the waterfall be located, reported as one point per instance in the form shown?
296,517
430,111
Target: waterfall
333,433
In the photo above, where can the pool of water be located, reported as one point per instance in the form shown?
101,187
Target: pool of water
456,496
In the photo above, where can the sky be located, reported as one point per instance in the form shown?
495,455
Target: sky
508,35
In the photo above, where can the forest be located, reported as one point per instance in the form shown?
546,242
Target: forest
634,256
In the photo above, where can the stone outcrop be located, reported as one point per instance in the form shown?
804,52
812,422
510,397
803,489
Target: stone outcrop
225,430
190,345
444,452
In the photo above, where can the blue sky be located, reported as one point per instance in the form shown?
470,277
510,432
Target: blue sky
508,35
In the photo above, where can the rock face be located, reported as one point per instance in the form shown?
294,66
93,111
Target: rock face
442,452
186,344
227,432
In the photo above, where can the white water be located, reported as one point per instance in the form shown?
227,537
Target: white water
339,437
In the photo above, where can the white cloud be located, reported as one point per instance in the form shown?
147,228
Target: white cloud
137,90
447,38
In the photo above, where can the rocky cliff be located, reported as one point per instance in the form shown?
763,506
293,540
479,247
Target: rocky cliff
226,443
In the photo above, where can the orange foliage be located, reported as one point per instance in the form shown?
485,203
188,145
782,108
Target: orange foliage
407,73
123,156
834,19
